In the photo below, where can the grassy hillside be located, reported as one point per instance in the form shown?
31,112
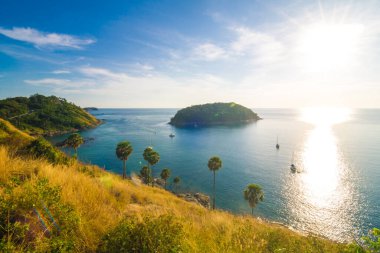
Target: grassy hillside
24,145
39,114
72,207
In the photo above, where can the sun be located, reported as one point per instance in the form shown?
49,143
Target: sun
328,46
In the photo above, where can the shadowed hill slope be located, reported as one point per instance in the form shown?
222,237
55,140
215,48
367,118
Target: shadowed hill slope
41,115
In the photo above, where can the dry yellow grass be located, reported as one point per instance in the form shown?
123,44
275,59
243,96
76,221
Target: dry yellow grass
103,199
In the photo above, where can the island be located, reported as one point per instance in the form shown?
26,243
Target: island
90,109
213,114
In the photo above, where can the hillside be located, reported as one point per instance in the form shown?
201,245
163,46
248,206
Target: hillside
74,207
24,145
41,115
213,114
88,203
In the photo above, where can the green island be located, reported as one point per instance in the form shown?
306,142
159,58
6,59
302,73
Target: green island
50,202
41,115
213,114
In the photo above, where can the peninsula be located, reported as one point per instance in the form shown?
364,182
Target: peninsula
213,114
42,115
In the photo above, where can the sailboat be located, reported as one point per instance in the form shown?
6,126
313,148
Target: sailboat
293,168
277,145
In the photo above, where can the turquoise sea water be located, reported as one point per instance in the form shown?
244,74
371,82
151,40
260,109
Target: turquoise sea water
336,194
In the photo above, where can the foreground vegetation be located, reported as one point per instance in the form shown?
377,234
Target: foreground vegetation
41,115
91,210
71,207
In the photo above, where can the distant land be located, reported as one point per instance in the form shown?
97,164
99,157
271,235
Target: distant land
90,109
42,115
213,114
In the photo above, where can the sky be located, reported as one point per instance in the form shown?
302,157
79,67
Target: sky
172,54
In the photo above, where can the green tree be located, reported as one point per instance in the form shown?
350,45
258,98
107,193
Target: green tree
372,241
165,174
253,194
123,151
145,173
214,164
151,156
74,141
176,182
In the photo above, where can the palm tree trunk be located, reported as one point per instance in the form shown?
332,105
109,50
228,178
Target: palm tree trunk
213,200
76,153
252,211
124,170
165,184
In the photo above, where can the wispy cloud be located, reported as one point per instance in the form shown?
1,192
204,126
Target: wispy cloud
60,83
61,71
209,52
44,39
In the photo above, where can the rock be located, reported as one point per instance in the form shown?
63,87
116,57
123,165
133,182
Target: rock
198,198
159,182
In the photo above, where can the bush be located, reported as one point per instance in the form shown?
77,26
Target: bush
372,241
33,216
161,234
41,148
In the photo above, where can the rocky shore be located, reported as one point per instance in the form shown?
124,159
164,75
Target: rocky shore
197,197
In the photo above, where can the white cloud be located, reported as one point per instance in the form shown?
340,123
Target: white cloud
264,47
61,71
209,52
43,39
62,84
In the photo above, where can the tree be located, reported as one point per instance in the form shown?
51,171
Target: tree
123,151
74,141
176,182
253,194
372,241
214,164
165,174
145,173
151,156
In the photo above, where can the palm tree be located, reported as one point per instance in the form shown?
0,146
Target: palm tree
165,174
145,174
74,141
123,151
214,164
176,182
253,194
151,156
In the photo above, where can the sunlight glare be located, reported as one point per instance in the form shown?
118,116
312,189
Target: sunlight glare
326,47
325,116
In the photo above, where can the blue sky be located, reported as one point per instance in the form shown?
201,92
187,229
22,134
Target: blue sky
179,53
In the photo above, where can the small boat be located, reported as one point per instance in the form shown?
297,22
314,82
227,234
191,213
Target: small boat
293,168
277,145
171,135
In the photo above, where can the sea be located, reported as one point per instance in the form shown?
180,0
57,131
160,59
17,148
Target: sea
334,193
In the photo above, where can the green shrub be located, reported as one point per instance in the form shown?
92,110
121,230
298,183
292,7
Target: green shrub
372,241
33,216
41,148
162,234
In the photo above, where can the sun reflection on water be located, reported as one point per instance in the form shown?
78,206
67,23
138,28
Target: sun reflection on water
321,197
